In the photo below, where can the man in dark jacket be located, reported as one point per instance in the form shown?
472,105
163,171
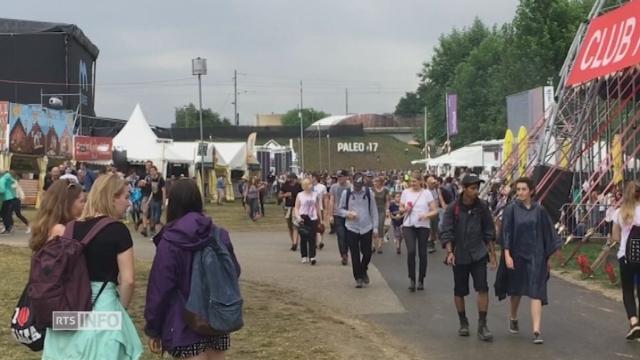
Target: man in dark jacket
468,233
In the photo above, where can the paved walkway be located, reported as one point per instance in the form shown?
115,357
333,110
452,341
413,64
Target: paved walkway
578,324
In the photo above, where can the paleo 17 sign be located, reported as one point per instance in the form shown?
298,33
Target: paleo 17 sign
612,43
89,148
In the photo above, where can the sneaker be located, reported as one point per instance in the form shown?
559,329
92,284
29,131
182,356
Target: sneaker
313,261
379,251
513,326
345,261
28,231
6,232
412,286
537,338
305,260
144,233
483,332
321,246
432,247
420,285
634,332
464,328
365,279
359,284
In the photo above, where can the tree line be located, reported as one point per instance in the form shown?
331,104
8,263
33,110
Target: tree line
485,64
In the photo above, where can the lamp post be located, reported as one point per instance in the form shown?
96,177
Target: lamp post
199,67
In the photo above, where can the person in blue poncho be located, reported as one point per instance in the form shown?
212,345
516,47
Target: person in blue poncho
528,242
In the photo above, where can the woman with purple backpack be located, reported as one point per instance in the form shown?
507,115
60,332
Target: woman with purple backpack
109,257
187,230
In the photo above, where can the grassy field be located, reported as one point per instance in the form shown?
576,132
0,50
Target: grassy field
279,324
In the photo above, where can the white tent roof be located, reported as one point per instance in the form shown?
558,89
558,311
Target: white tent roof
231,154
181,152
470,156
137,138
328,121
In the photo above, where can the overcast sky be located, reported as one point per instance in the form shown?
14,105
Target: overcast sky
374,48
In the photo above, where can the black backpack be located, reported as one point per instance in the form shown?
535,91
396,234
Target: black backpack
632,252
367,194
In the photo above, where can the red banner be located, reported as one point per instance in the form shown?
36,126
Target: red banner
612,43
89,148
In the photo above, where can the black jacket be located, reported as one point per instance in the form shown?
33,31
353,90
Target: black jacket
469,229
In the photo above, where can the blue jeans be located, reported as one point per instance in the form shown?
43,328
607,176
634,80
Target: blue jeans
155,211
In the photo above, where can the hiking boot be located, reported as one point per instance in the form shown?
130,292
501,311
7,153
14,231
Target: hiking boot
464,328
412,286
483,331
513,326
537,338
345,261
634,332
359,283
365,279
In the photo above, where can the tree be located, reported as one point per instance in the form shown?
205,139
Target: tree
188,116
410,105
309,116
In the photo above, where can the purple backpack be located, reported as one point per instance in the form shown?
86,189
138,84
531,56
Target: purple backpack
59,279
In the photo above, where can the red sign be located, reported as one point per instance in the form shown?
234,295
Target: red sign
612,43
89,148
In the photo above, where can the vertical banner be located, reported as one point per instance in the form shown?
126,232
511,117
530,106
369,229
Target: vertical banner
4,126
616,154
452,114
507,150
523,151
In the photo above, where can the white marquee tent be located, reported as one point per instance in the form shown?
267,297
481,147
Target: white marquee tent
472,155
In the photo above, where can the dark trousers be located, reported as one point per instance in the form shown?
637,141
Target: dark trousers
17,209
416,236
7,214
630,280
308,241
341,234
359,244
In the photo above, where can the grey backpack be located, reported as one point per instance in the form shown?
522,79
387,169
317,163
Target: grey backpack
214,306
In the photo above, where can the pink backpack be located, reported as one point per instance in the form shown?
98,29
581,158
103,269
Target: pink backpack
59,279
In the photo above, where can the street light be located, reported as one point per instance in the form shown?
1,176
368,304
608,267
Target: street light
199,67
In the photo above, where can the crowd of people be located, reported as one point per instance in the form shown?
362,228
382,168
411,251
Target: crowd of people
72,208
366,209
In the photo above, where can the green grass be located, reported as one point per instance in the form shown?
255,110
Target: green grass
233,217
591,250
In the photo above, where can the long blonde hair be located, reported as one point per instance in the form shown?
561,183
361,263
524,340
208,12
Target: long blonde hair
629,202
55,209
103,192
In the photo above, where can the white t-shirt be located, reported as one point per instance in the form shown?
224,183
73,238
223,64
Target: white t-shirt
321,191
308,205
625,229
421,201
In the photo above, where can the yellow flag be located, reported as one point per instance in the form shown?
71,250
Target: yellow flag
507,149
564,153
523,151
616,154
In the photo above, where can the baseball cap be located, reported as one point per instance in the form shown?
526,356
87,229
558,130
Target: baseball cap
471,179
292,176
342,173
358,179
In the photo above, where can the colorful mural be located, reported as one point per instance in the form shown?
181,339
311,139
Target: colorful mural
35,130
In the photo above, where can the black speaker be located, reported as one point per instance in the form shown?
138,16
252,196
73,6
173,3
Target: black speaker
120,158
556,191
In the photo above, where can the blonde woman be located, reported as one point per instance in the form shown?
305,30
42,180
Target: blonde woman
109,260
626,225
307,213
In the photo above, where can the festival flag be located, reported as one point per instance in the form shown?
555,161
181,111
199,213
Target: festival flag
523,151
616,154
507,149
452,114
